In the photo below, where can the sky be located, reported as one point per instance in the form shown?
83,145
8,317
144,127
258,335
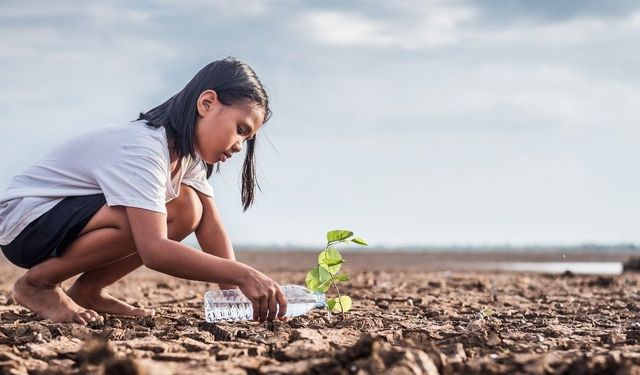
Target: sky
413,123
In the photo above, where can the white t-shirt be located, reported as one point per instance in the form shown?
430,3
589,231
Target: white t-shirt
128,163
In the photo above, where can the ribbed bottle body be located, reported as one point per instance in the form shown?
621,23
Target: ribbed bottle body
232,305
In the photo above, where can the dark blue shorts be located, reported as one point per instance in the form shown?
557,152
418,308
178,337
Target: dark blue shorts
51,233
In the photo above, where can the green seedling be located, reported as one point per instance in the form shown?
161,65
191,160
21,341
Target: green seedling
326,274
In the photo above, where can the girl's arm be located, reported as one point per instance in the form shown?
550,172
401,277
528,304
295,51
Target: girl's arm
159,253
211,233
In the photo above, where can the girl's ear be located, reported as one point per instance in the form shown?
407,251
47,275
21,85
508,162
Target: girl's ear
206,101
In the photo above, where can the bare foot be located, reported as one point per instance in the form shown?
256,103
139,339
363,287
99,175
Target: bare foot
101,301
51,303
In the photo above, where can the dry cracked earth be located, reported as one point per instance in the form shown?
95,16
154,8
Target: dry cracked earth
401,323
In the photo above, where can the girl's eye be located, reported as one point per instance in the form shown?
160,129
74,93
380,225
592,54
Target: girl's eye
244,131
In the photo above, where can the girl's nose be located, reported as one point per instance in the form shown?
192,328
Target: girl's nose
237,147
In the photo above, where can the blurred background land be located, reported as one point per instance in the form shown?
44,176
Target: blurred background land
437,258
423,259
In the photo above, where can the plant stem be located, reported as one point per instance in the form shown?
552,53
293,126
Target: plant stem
339,299
336,286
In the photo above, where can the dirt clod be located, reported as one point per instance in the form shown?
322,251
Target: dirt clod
96,350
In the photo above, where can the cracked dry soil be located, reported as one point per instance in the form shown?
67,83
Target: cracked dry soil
401,323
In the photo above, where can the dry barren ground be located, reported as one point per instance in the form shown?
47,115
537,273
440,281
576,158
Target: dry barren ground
403,322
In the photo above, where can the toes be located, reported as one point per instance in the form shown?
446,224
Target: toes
87,316
95,315
77,318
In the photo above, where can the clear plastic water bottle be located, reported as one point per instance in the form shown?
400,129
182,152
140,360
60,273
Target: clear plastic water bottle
232,305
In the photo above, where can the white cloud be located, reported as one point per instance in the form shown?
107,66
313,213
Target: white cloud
566,97
221,8
634,20
576,31
100,70
338,28
96,13
431,25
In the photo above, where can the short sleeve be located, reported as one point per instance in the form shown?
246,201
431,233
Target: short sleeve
135,176
196,177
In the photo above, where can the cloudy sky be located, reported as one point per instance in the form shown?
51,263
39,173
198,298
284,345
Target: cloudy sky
411,123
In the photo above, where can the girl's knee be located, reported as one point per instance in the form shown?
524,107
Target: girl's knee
185,211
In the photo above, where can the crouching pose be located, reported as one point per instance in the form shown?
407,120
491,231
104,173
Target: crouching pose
110,200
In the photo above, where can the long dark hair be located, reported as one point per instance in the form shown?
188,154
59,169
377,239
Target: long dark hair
234,82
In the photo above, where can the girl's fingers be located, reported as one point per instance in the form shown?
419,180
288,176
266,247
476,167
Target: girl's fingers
256,309
282,303
264,307
273,306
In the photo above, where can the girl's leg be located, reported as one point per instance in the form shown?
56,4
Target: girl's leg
87,292
39,288
105,239
183,215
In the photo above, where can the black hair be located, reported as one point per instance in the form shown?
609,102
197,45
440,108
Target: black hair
234,82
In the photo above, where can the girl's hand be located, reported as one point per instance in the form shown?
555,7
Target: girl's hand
265,295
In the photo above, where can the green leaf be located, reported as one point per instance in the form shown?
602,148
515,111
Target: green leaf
324,287
359,241
318,279
312,280
331,304
342,303
338,235
332,259
323,273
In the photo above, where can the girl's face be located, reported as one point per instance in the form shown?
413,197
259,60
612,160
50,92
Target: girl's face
222,129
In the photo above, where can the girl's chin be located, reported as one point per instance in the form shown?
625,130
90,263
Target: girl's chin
216,160
206,160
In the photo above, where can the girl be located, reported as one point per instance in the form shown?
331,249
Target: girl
113,199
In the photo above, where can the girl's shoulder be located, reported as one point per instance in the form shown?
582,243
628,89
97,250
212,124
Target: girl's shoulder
117,141
129,133
129,130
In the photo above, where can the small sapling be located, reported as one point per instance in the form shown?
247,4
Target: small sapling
326,274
